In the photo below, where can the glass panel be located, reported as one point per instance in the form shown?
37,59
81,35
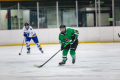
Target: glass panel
4,20
67,13
47,15
14,17
87,17
7,13
117,12
106,13
28,13
86,13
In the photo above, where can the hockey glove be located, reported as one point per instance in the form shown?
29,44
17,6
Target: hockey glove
118,34
25,35
73,36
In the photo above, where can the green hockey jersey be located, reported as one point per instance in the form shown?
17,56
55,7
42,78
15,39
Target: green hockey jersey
69,32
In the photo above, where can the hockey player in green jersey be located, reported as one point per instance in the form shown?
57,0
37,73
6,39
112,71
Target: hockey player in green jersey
66,35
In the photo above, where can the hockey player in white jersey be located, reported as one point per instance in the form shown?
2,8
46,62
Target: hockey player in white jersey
30,34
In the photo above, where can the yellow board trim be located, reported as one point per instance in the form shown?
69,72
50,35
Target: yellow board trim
59,43
99,42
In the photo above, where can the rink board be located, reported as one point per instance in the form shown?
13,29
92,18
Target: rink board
50,35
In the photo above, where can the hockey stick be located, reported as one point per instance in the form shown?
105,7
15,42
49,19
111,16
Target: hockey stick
118,34
22,47
50,58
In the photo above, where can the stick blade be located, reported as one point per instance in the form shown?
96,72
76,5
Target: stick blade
38,66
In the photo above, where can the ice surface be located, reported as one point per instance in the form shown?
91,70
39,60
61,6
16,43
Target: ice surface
97,61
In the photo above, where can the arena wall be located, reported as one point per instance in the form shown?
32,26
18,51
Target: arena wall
50,35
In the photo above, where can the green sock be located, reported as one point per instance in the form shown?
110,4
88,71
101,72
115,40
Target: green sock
65,52
72,53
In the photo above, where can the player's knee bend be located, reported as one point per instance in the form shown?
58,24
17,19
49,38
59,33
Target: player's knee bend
65,52
35,39
27,44
38,45
72,49
72,52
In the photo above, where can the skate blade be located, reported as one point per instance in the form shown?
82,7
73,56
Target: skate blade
61,65
28,53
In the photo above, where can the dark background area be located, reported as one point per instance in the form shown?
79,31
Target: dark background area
81,3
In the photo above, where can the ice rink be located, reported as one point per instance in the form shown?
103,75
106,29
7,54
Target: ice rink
94,61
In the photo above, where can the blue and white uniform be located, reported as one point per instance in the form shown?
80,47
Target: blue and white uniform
30,34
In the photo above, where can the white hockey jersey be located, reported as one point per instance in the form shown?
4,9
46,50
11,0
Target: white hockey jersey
30,32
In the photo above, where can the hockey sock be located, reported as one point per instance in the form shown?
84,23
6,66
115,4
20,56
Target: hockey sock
27,45
39,46
72,53
65,52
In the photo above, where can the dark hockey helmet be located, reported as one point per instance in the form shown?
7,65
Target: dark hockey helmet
26,24
62,26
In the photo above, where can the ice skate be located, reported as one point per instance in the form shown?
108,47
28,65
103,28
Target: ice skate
41,51
73,61
28,52
62,63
